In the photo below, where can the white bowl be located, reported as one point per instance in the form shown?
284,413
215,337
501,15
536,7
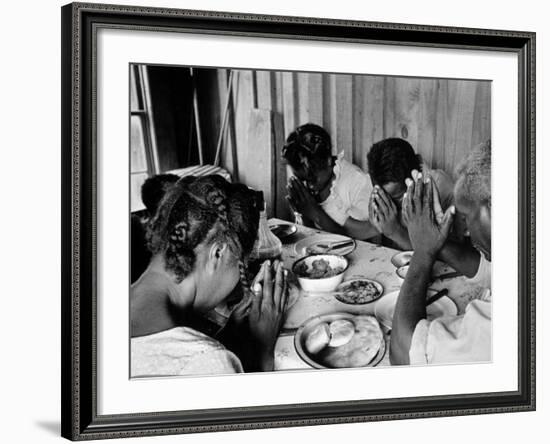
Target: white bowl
321,284
402,258
402,272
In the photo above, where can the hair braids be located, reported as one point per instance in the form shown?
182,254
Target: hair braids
245,283
308,147
197,210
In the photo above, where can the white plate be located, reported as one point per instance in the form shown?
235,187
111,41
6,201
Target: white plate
302,246
283,230
385,307
308,326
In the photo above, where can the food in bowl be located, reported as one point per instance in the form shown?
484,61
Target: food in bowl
320,272
345,342
359,291
320,268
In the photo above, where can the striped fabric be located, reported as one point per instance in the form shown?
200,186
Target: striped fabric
201,170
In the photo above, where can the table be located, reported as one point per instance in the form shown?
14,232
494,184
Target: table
367,260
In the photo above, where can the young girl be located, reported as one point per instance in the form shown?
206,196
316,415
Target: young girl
328,192
199,238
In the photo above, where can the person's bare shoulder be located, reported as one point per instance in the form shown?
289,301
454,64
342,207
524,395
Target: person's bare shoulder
445,186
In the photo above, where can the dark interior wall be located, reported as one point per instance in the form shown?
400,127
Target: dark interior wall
210,111
172,102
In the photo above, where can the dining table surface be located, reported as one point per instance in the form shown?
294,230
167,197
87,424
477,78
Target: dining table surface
367,260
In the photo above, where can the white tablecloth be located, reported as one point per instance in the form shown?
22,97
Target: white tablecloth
367,260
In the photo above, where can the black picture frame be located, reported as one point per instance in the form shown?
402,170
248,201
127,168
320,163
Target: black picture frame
80,22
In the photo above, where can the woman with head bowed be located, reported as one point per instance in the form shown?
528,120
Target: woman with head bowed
200,237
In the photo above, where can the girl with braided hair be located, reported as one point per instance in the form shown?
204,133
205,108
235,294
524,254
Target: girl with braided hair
199,239
326,191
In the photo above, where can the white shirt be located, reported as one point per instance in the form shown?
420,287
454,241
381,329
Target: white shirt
454,339
180,351
458,339
349,193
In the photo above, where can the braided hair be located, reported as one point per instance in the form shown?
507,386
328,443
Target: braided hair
308,148
198,210
244,220
392,160
154,188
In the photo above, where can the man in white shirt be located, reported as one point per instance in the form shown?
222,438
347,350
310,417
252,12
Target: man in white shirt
465,338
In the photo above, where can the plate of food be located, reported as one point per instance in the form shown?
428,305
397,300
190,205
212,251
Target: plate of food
359,291
325,243
385,307
320,272
283,230
340,340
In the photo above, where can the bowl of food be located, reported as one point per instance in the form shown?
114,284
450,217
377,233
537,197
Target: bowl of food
358,291
340,340
320,272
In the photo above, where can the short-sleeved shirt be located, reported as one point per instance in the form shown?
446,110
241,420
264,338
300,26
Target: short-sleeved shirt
458,339
180,351
349,194
454,339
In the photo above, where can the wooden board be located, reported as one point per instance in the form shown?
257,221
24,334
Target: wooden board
344,115
290,102
368,116
443,119
260,171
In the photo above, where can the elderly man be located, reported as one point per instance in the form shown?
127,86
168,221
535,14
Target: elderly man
465,338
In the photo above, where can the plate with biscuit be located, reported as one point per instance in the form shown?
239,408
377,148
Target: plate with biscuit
340,340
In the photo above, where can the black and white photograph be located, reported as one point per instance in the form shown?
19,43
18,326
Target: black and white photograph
275,222
290,220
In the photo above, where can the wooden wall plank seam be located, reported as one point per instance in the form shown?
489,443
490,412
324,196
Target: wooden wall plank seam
442,119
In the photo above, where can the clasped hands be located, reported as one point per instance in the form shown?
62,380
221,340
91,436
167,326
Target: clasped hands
428,226
383,212
300,199
260,313
421,213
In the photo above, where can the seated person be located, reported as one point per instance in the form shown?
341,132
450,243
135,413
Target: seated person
152,191
390,162
199,238
453,339
328,192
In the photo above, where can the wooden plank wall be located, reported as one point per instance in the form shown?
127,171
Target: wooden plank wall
442,119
